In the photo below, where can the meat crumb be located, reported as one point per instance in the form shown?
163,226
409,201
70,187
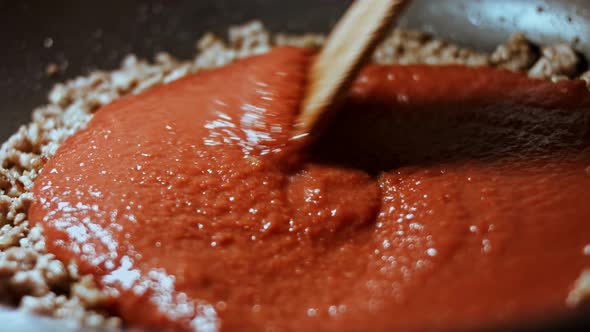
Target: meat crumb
309,40
556,60
580,294
52,69
586,78
517,54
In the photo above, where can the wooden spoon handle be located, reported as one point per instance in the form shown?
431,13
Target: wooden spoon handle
349,45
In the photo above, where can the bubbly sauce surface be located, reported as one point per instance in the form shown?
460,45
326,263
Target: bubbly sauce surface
439,197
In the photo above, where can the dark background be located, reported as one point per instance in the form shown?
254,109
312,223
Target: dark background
81,35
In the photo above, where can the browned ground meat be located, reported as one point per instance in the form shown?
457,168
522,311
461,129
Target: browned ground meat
557,61
517,54
586,77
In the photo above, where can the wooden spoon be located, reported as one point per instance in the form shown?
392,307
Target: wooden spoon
349,45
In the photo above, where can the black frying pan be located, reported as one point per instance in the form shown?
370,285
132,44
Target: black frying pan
97,34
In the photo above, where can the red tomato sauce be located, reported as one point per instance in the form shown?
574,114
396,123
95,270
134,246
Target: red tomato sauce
438,197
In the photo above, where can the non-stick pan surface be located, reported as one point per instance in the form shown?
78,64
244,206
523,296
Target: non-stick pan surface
81,35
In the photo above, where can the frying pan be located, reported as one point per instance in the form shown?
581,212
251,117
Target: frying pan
85,35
